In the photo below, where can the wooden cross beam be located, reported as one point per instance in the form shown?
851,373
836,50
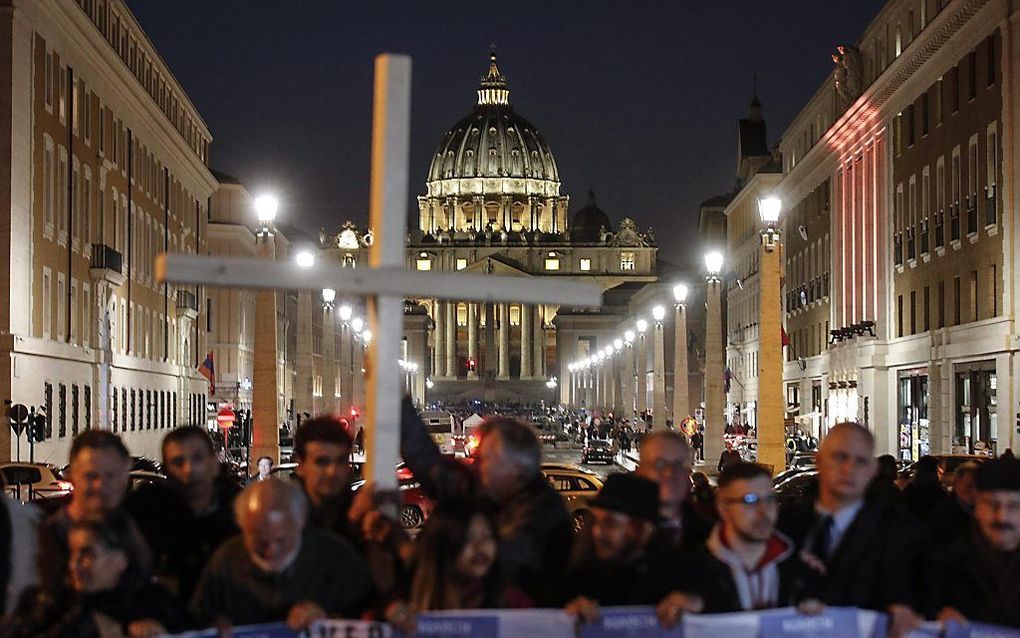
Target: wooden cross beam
387,282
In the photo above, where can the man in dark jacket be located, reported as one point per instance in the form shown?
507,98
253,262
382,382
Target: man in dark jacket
975,578
280,568
186,519
322,448
883,487
862,553
955,514
622,570
533,527
746,563
666,459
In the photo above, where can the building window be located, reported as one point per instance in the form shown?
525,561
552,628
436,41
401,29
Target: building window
461,263
47,303
74,410
585,264
124,410
134,410
924,114
424,262
88,408
899,316
913,312
991,62
938,101
515,315
552,263
972,75
926,323
627,260
62,410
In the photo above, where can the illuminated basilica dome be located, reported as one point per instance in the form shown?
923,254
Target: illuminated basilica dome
493,170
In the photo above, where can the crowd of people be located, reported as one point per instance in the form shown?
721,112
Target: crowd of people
200,551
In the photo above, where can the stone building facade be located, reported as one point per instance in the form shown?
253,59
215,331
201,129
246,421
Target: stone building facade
104,166
905,158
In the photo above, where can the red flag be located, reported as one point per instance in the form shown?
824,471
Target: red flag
785,337
208,370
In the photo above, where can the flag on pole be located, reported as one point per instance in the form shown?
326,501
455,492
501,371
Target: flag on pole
727,376
208,370
785,337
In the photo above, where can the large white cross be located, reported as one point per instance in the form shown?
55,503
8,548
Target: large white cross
388,281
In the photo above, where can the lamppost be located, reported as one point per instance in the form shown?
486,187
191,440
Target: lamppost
627,376
658,369
618,401
609,396
266,433
714,391
357,365
328,352
346,376
642,369
771,427
681,406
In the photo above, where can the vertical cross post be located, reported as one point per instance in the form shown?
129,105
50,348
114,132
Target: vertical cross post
391,123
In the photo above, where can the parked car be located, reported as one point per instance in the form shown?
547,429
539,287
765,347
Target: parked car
598,451
415,507
140,478
577,487
797,488
31,481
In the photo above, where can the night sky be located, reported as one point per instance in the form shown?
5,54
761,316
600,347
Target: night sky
637,99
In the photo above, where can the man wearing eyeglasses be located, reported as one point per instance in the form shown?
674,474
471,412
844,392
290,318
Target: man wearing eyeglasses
746,563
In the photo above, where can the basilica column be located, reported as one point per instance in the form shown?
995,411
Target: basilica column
451,339
473,339
642,367
303,364
526,321
439,338
504,341
627,376
538,343
489,336
329,374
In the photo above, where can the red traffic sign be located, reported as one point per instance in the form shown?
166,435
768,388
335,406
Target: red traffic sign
225,418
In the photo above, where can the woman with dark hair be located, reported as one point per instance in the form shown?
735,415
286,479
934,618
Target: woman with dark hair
107,588
456,567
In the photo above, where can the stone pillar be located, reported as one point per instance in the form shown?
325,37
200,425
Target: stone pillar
642,373
714,393
304,368
265,413
504,342
527,313
771,398
681,398
538,343
451,339
328,360
617,382
358,363
490,339
473,339
658,377
439,338
627,380
346,377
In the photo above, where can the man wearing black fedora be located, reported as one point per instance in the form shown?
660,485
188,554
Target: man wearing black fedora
621,570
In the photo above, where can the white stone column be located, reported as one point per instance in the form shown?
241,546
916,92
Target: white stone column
346,376
504,342
328,360
681,400
358,386
642,373
627,380
451,339
715,398
473,339
439,338
526,321
538,343
304,366
658,377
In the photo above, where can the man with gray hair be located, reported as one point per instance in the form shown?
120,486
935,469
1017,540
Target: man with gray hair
280,568
533,527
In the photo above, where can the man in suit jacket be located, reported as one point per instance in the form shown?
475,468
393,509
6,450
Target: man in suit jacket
859,553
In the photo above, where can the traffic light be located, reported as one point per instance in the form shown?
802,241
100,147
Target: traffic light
37,428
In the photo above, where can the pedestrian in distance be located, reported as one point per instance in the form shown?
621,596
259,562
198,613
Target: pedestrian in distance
265,468
955,514
925,491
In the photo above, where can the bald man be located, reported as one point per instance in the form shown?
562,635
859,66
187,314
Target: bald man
279,567
856,552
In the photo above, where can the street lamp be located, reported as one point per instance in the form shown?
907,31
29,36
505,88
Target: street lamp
769,209
681,400
713,264
771,406
345,313
265,208
357,324
366,336
680,293
642,326
618,344
658,313
305,258
328,296
629,336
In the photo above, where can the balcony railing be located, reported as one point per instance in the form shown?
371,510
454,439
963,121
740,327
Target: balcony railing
911,244
187,303
972,214
898,249
954,222
991,212
924,238
104,256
